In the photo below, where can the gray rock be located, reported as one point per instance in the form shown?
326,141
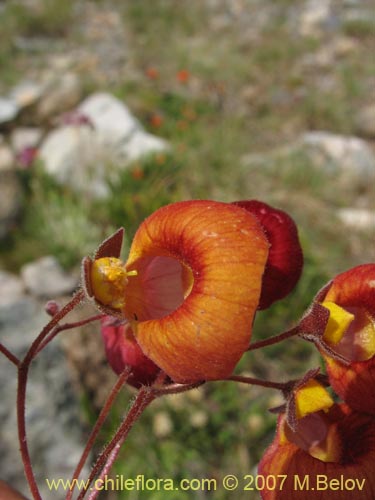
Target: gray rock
52,417
25,137
357,218
61,94
8,110
10,200
46,278
337,153
11,288
365,122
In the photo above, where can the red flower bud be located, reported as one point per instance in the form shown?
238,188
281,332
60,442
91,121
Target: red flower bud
123,351
285,258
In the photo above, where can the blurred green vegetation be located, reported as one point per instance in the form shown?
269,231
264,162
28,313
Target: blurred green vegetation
216,96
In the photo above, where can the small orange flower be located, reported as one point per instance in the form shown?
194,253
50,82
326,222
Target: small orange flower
152,73
183,76
156,120
137,173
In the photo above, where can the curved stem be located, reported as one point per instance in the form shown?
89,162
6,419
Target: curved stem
274,340
12,358
68,326
23,369
98,425
143,399
263,383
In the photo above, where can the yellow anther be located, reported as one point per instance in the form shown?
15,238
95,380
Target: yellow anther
312,397
108,280
338,322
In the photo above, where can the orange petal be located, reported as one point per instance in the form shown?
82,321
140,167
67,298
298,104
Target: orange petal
306,477
355,384
200,267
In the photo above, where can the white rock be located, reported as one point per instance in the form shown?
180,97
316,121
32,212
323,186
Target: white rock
141,144
82,156
118,130
347,154
8,110
357,218
6,157
25,137
27,93
73,157
111,119
46,278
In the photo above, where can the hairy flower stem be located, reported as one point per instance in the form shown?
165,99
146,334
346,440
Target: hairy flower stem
98,425
144,397
68,326
23,370
12,358
176,388
282,386
274,340
107,468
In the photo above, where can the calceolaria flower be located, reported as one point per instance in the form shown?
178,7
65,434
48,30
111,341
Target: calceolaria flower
331,455
350,332
190,287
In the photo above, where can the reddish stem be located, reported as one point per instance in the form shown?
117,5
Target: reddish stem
263,383
107,468
143,399
274,340
12,358
23,369
98,425
176,388
68,326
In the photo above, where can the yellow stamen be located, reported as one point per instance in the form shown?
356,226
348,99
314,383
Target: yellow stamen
338,322
108,280
311,398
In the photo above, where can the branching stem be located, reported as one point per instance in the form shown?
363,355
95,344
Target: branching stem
23,370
